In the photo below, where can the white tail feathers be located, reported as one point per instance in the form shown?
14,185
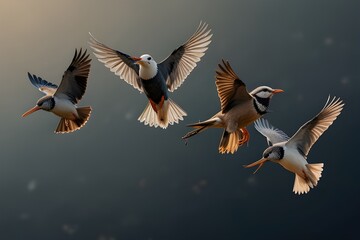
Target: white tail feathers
302,185
170,113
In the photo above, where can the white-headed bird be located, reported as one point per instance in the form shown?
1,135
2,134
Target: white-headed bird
62,100
291,153
239,108
157,79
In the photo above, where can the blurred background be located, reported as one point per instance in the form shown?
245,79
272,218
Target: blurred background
118,179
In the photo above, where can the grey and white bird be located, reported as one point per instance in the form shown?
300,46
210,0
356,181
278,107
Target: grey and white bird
157,79
61,100
292,152
239,108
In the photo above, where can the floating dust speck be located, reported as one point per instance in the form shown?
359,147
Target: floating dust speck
344,80
32,185
24,216
251,180
129,116
199,186
329,41
297,36
142,183
70,229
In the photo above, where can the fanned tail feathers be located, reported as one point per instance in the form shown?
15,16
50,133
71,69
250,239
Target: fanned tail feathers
313,175
170,113
229,142
67,125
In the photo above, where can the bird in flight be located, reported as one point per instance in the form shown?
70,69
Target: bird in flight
292,152
61,100
156,80
239,108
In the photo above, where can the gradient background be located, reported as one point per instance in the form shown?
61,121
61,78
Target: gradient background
118,179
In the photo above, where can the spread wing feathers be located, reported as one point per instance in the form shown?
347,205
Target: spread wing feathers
74,81
310,132
182,61
44,86
119,63
231,89
272,134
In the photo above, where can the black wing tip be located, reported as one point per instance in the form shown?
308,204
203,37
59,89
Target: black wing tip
221,66
80,57
30,76
33,78
225,66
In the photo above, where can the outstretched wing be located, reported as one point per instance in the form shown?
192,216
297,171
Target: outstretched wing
231,89
182,61
272,134
119,63
310,132
44,86
74,81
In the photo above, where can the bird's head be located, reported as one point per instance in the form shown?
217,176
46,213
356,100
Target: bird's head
46,103
274,154
145,61
262,95
265,92
148,66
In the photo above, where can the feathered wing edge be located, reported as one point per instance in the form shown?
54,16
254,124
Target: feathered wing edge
119,63
184,59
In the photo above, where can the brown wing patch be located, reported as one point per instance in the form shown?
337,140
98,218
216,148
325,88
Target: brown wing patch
229,86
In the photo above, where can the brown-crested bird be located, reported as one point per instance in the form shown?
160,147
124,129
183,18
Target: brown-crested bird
238,109
291,153
157,79
62,100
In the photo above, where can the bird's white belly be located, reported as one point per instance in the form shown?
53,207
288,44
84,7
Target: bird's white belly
293,162
66,109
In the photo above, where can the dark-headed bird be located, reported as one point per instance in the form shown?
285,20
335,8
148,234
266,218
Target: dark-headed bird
238,109
291,153
157,79
62,100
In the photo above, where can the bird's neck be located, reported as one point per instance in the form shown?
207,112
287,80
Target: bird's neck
261,104
147,72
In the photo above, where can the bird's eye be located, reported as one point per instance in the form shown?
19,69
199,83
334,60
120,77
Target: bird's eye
149,58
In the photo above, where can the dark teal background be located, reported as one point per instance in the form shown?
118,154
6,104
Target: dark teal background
118,179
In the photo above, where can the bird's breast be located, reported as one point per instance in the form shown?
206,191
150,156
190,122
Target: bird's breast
240,116
65,108
148,73
293,161
155,88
